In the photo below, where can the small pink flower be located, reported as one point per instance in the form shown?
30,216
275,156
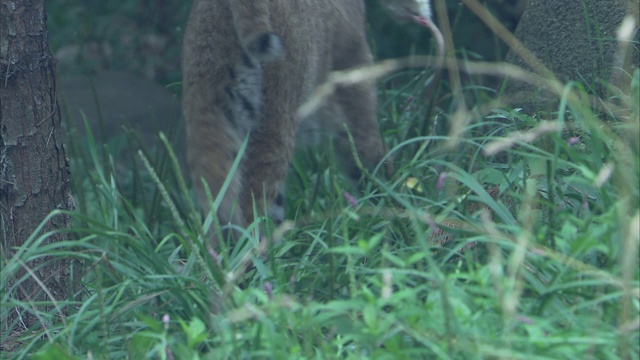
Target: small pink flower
408,104
524,319
430,222
215,256
166,319
573,140
268,288
169,353
292,282
441,177
350,199
539,252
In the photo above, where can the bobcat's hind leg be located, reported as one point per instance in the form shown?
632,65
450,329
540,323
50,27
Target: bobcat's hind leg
358,107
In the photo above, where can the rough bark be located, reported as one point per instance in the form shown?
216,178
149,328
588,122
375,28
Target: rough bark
575,39
34,172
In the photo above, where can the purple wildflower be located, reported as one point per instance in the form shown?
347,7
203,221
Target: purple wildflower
350,199
268,289
215,256
441,177
573,140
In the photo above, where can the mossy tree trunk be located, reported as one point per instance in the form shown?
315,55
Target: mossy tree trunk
34,171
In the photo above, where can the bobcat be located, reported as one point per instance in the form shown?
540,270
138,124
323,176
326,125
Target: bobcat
247,67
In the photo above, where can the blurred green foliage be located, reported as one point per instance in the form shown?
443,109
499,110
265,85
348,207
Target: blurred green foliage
393,40
144,36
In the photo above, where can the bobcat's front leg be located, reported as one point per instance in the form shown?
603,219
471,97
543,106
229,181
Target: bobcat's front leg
268,157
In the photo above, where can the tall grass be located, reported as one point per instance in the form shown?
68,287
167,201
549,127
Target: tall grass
518,241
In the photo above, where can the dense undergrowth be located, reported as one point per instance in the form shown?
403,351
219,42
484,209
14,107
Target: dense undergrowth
517,240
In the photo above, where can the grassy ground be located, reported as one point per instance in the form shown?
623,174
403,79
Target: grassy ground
516,240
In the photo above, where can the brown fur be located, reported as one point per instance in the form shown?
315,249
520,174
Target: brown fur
247,67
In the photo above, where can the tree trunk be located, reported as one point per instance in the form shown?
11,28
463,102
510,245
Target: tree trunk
34,171
575,39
